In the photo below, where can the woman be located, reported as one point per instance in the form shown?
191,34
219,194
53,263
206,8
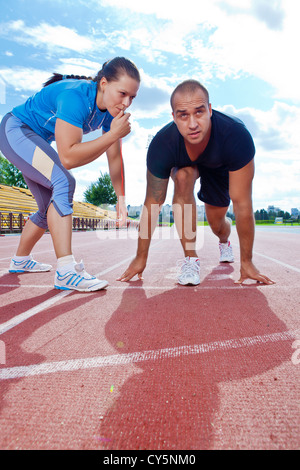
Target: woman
66,108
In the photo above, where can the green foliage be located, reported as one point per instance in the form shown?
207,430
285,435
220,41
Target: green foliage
263,216
101,192
10,175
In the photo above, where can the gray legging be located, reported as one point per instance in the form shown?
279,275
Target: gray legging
40,165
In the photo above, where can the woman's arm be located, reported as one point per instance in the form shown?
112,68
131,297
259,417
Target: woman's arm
74,153
116,171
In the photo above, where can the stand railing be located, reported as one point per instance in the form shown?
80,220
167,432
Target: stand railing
12,222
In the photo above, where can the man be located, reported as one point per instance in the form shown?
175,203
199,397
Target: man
204,143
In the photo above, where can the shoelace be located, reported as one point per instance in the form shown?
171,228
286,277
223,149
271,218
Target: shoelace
79,268
225,249
187,268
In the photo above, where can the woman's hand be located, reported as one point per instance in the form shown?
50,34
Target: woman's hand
120,125
121,212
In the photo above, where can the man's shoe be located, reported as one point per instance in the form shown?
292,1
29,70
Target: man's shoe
78,279
28,266
189,272
226,254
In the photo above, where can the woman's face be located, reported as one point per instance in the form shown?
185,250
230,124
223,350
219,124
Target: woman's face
116,96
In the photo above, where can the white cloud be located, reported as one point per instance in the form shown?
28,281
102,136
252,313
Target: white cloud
79,66
277,159
224,39
242,44
275,130
23,78
258,38
48,36
31,80
153,97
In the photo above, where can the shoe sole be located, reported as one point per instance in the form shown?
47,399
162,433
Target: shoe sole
29,270
102,286
188,283
226,261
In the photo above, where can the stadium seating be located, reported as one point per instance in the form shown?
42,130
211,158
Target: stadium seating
20,200
16,204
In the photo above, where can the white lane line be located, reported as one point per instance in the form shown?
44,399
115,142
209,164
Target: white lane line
143,356
39,308
199,287
124,286
289,266
293,268
31,312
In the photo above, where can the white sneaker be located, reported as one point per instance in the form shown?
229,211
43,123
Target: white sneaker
189,271
28,266
78,279
226,254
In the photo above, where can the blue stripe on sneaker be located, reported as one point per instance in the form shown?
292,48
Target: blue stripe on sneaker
79,280
76,279
71,277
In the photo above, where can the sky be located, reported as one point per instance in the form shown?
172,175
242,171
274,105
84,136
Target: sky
244,51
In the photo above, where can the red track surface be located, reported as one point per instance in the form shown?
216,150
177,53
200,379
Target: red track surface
152,365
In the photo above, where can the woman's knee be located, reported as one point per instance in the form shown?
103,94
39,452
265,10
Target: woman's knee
39,219
63,193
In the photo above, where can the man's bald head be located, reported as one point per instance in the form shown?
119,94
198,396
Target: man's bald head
188,86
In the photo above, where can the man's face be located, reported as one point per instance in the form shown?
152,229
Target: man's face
191,114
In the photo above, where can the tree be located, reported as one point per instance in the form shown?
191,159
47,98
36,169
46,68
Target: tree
10,175
101,192
257,215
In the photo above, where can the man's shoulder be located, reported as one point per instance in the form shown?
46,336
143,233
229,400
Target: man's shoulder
169,129
233,139
227,128
227,119
227,124
167,135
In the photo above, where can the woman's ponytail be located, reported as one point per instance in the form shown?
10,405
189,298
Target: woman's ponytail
57,77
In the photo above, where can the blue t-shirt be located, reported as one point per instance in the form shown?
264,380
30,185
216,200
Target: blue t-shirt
230,147
73,101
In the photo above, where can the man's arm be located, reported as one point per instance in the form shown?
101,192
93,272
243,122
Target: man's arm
155,197
240,189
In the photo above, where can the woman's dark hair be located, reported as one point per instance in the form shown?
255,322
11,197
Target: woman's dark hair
111,70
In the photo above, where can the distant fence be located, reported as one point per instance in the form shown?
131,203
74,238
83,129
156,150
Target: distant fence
11,222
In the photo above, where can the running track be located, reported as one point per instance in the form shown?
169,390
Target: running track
151,364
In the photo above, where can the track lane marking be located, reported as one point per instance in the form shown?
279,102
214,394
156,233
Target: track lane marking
4,327
142,356
274,260
149,287
289,266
